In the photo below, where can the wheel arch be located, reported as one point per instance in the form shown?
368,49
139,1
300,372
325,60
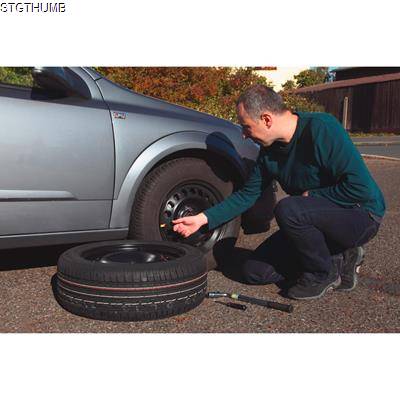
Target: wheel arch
210,148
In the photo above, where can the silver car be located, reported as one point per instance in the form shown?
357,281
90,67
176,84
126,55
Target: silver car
84,159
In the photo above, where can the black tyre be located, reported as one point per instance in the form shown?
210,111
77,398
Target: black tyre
130,280
178,188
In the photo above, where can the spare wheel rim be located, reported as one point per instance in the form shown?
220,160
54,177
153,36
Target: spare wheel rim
131,254
187,199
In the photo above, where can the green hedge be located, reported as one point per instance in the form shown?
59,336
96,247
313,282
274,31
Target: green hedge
20,76
296,102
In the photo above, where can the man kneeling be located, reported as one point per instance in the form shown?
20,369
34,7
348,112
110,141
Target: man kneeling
334,207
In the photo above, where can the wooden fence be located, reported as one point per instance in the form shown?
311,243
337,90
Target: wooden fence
364,104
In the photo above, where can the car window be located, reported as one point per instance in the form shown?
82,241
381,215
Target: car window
16,76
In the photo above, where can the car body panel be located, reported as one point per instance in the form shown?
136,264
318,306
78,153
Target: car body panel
92,73
53,216
147,120
54,149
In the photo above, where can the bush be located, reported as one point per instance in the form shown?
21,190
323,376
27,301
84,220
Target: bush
296,102
21,76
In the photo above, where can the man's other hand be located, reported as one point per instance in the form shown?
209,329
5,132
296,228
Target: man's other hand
186,226
305,194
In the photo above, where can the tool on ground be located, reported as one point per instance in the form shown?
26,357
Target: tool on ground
237,306
252,300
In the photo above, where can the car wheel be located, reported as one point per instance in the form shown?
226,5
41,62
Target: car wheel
130,280
179,188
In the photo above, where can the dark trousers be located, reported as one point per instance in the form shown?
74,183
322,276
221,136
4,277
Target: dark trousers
312,231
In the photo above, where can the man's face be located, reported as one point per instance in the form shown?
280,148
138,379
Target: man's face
258,130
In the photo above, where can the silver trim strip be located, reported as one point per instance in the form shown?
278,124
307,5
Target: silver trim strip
39,195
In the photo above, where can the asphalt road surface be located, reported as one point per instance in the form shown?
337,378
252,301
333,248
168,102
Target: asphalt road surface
27,303
381,150
387,146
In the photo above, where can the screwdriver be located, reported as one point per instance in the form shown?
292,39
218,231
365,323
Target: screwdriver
230,304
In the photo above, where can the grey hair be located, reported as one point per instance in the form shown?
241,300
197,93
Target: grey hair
258,99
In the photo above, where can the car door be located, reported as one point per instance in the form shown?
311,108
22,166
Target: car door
56,159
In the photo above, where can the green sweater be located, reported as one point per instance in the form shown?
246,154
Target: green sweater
320,159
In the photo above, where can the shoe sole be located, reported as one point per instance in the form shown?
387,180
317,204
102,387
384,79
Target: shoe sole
332,286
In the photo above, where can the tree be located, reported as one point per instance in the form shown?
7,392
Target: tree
310,77
289,85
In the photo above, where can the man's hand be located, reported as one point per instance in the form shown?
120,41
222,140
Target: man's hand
186,226
305,194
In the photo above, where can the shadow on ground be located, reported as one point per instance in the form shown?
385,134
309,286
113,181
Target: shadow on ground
230,265
31,257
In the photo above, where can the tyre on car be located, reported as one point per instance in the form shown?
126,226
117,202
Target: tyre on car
179,188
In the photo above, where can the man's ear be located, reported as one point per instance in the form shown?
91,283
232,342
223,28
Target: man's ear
266,119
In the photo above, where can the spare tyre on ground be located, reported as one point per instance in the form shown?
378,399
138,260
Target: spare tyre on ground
131,280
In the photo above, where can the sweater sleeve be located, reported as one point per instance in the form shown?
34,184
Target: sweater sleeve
338,156
241,200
